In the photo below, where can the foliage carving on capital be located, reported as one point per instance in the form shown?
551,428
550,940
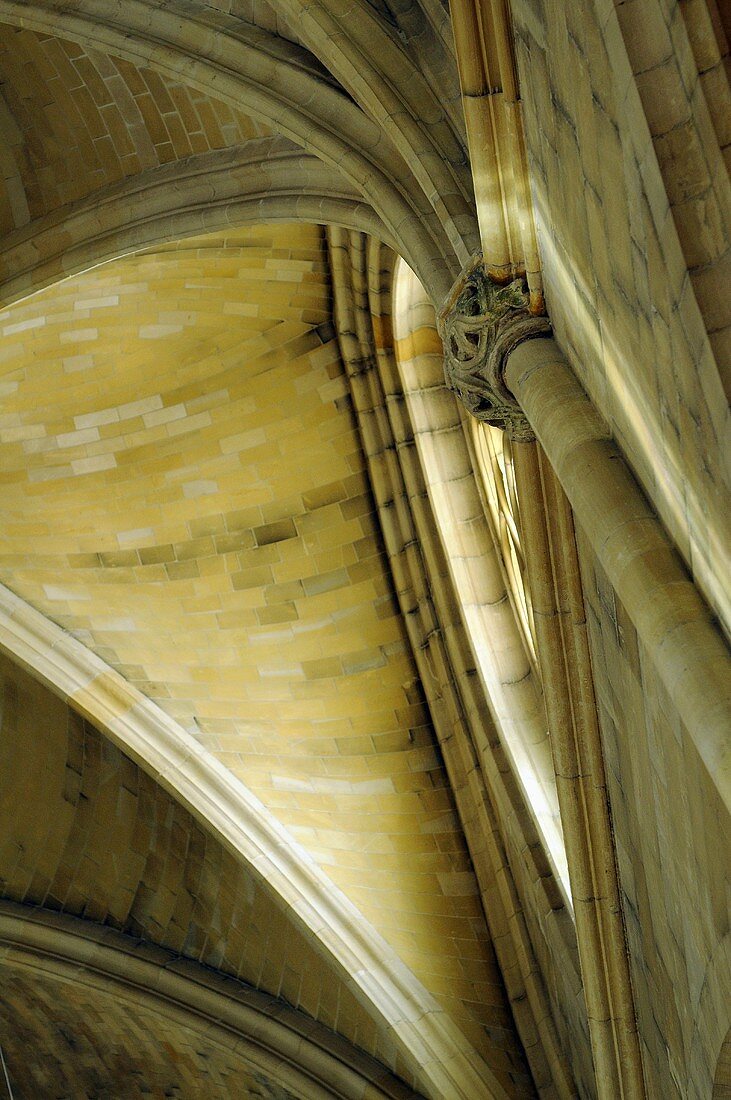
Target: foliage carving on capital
480,324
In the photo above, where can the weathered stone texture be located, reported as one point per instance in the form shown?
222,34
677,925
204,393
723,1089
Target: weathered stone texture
53,1046
679,60
617,288
674,854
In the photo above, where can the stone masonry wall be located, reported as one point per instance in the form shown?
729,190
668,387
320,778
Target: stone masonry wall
673,841
622,296
619,292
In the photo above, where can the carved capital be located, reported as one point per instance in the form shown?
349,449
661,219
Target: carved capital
481,322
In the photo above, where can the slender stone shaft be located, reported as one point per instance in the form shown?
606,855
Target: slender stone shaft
671,618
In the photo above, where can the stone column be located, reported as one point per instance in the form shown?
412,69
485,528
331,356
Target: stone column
485,326
504,366
670,616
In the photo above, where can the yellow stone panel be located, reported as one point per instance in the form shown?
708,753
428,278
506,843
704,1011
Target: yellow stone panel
202,518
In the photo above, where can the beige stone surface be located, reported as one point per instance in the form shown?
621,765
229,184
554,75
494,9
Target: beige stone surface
256,536
622,306
673,847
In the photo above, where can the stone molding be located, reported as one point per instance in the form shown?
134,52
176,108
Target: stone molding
300,1055
562,642
481,323
493,756
435,1050
267,179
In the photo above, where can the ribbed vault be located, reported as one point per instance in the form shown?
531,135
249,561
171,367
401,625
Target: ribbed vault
223,555
278,815
103,156
115,849
201,517
419,195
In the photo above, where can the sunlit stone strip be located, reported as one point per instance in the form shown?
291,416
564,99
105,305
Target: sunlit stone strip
505,666
504,669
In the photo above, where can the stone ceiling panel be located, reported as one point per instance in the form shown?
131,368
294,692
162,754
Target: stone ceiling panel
201,517
75,120
63,1038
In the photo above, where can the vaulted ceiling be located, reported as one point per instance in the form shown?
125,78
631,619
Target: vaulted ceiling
185,494
184,491
200,516
258,663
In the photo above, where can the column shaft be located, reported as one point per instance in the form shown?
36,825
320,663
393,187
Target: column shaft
672,620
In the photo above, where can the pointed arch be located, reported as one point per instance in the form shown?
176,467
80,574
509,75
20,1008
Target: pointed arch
266,180
244,65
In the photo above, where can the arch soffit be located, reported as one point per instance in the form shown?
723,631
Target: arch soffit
441,1058
265,180
289,1047
269,77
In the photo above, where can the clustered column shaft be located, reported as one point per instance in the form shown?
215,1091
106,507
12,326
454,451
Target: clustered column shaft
487,329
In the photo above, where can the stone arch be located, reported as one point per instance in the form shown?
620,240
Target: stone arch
253,1032
447,465
370,61
265,180
271,78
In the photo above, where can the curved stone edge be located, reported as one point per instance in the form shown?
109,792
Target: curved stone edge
444,1063
294,1050
265,180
